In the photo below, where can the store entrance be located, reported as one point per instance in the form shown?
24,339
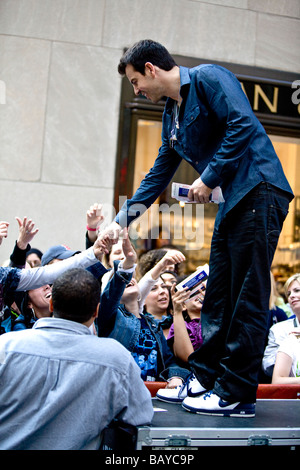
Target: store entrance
159,226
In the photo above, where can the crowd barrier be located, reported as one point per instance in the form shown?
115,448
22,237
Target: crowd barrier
279,391
264,391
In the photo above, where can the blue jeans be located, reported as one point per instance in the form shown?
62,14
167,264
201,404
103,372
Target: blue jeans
234,316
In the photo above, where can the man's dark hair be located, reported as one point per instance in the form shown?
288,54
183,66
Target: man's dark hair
144,51
75,295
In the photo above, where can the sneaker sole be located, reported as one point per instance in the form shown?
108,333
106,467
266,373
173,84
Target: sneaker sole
170,400
177,400
228,413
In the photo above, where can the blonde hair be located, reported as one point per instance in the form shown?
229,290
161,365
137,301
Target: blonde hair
274,292
294,277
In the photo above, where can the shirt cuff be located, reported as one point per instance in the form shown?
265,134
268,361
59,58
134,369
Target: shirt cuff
129,270
210,179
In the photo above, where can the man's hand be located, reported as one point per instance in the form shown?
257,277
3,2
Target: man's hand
129,252
199,192
3,230
100,249
109,236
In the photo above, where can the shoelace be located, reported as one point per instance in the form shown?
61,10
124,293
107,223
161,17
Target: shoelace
187,381
192,379
207,395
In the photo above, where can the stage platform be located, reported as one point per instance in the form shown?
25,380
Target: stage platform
277,423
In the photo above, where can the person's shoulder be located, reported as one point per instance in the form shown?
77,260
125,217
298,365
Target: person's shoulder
13,338
209,69
109,351
211,77
284,325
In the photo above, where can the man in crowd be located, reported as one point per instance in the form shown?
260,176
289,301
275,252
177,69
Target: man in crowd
61,386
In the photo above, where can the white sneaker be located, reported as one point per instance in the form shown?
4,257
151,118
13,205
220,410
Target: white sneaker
194,387
212,404
172,395
191,387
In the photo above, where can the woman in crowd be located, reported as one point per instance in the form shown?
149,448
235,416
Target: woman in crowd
158,306
34,305
287,364
281,330
121,318
185,333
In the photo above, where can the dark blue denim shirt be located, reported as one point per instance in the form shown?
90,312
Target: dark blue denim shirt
219,135
115,321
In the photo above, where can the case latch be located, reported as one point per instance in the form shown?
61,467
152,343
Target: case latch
258,440
177,441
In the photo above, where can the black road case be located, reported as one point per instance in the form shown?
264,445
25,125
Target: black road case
277,423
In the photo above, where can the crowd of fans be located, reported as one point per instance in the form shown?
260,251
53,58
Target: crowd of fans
137,309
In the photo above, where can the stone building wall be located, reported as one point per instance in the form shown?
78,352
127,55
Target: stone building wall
60,91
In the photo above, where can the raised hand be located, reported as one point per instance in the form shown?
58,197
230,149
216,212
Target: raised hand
129,252
109,236
26,232
3,230
94,216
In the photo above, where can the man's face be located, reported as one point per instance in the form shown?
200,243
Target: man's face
147,85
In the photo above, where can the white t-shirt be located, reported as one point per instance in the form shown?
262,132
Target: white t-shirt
291,347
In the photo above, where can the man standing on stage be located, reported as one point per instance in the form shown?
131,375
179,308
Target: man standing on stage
208,122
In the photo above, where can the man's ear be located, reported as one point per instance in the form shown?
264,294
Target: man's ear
51,305
96,312
150,68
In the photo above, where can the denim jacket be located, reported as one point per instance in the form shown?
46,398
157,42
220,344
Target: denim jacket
219,135
116,322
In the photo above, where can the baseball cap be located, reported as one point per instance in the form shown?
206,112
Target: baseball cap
57,252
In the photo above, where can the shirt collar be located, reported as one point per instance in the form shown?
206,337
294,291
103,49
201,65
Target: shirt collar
185,81
62,324
185,78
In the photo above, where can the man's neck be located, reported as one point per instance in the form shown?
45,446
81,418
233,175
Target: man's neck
173,84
